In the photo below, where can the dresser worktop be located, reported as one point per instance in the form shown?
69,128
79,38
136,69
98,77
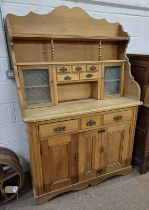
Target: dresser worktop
74,108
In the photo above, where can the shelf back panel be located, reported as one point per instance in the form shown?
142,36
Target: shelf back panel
32,51
76,51
68,92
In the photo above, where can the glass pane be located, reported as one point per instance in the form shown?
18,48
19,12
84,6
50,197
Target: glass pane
36,83
37,95
33,77
112,72
112,88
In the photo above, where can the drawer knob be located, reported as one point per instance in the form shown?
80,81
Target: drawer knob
63,69
67,78
118,117
92,68
91,123
59,129
79,68
89,75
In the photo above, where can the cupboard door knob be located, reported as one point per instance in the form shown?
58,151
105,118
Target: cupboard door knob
118,117
59,129
92,68
91,123
67,78
63,69
89,75
79,68
101,149
76,156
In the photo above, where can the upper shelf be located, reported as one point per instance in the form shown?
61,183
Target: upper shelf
63,22
67,37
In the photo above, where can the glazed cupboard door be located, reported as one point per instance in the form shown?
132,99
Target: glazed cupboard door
112,79
117,144
91,161
37,85
58,161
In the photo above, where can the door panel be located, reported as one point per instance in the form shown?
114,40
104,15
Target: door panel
90,149
58,161
117,146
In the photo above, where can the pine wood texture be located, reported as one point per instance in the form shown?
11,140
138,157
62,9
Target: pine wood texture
81,129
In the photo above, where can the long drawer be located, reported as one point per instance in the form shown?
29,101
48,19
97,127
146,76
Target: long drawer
117,117
67,77
51,129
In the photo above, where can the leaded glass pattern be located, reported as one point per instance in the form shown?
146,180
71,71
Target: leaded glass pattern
36,83
37,95
112,80
33,77
112,88
112,72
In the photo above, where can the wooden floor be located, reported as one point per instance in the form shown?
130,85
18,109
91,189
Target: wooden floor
129,192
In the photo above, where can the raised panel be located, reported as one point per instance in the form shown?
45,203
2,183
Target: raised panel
117,146
57,161
90,151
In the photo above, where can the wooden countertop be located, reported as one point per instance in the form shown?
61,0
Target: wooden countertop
76,108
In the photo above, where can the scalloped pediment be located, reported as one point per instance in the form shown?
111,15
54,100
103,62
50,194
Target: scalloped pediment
63,21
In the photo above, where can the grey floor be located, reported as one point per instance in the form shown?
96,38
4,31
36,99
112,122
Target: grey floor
129,192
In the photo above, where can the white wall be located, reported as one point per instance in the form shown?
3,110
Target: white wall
133,15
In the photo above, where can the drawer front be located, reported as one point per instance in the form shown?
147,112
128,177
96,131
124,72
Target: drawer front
79,68
51,129
63,69
116,117
92,67
90,122
88,76
67,77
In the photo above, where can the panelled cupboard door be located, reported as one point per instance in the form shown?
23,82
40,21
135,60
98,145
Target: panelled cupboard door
58,161
91,154
117,144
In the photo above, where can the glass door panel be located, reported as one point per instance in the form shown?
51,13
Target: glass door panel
112,78
36,84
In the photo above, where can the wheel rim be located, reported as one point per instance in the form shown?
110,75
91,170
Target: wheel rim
11,174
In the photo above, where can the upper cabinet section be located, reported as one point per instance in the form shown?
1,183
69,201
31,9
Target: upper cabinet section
67,55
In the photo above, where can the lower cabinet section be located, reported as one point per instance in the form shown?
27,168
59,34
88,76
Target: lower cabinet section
71,161
70,158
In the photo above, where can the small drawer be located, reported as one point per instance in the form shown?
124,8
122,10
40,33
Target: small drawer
92,67
51,129
67,77
79,68
89,76
63,69
116,117
90,122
